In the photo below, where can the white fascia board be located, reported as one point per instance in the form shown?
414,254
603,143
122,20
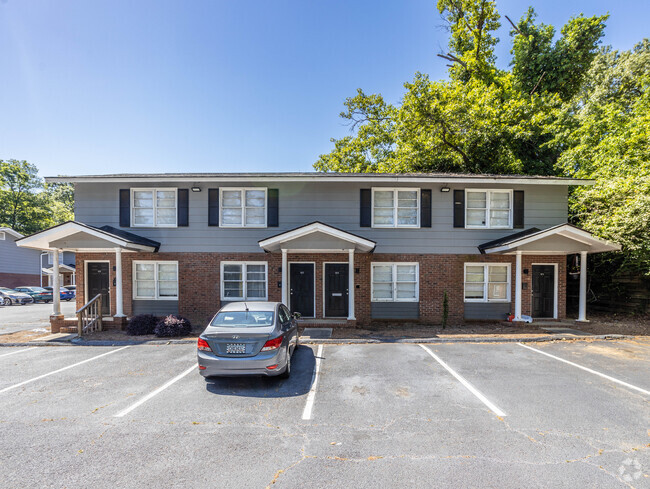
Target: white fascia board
314,228
447,180
15,234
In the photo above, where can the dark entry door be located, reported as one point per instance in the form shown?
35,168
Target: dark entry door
98,283
543,291
336,289
301,283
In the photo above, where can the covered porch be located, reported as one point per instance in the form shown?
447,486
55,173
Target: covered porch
563,239
315,281
82,238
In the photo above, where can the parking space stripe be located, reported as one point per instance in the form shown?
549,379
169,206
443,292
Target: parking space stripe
18,351
60,370
156,392
306,414
467,385
587,369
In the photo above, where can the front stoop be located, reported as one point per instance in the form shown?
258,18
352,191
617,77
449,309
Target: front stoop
326,323
59,324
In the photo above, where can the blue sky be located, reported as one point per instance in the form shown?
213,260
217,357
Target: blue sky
220,85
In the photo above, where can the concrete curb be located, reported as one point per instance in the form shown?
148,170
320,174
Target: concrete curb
337,341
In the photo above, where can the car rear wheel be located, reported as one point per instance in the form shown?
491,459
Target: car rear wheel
6,301
287,371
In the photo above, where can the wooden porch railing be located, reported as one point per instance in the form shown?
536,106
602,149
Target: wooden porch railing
89,317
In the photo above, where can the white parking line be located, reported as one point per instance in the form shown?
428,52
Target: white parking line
306,414
586,369
156,392
18,351
469,386
60,370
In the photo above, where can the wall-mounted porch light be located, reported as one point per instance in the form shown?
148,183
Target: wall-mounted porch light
445,189
196,189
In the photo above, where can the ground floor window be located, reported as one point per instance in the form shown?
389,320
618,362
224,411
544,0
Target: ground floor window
244,281
395,282
487,283
156,280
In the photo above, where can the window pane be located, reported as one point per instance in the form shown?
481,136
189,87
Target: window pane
497,291
144,271
255,198
143,198
383,198
232,272
382,291
166,271
476,200
145,288
407,217
231,216
384,216
233,289
166,216
256,272
167,289
231,198
476,218
408,198
382,273
166,198
474,273
499,200
499,218
143,216
498,273
406,291
473,291
406,273
255,290
255,216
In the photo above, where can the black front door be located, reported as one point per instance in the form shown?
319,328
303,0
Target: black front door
543,291
336,290
99,283
301,283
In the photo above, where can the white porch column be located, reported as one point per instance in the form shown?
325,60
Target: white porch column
56,284
351,285
518,272
582,310
285,274
119,309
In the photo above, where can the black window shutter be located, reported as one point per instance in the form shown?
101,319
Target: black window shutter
273,209
125,207
518,209
425,208
366,208
213,207
459,208
183,207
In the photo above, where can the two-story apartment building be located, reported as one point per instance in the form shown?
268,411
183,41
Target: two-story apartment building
18,266
350,248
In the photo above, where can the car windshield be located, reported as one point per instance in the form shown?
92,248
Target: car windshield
243,319
5,289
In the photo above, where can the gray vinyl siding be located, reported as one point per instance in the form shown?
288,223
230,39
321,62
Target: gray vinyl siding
395,310
486,310
18,260
335,204
157,308
68,259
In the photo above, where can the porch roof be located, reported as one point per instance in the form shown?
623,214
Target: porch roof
317,237
563,239
79,237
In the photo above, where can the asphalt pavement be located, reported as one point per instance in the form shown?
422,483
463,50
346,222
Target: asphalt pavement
368,416
30,316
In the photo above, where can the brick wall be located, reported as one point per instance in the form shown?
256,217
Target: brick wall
12,280
199,280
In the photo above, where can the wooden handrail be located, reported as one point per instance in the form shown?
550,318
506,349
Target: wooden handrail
89,317
98,296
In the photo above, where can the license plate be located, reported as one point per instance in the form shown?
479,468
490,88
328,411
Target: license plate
236,348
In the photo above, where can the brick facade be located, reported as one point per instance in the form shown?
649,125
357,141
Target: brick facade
199,280
12,280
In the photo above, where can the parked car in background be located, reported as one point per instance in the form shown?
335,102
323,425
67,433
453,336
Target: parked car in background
72,288
39,294
11,296
254,338
66,295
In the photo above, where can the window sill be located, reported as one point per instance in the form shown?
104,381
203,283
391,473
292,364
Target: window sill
155,298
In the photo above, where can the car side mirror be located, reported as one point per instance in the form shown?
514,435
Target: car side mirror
297,315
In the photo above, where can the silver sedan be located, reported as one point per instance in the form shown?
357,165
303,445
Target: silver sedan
248,338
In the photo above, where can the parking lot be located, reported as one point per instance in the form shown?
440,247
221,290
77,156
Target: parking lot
377,415
18,318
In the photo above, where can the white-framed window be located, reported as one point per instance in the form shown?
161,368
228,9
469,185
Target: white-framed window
157,280
487,282
395,207
244,281
50,258
395,282
243,207
154,207
488,209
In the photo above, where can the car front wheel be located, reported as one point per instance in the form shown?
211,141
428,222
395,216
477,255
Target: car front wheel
6,301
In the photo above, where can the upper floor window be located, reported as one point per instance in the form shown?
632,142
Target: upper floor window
488,209
243,207
487,283
395,282
50,258
157,280
243,281
395,207
153,207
